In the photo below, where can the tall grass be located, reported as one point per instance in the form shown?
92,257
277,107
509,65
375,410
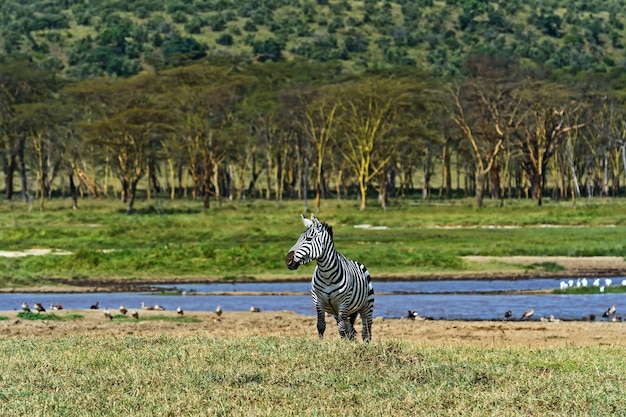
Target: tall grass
194,376
166,239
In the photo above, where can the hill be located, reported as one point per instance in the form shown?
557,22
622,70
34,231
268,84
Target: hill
86,39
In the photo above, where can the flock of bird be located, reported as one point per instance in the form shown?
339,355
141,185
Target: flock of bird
583,282
610,315
39,308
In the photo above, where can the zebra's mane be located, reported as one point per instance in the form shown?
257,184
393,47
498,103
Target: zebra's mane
328,228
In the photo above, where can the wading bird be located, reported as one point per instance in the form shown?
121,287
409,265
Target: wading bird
528,314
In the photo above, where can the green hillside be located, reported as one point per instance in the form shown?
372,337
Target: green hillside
86,38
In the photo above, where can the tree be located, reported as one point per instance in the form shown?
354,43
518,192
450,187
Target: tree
372,112
544,128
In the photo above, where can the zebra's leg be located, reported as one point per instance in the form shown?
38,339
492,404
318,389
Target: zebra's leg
366,318
346,330
321,321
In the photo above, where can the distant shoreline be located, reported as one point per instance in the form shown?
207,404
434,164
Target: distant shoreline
513,268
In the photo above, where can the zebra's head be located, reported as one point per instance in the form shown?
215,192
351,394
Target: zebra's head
311,244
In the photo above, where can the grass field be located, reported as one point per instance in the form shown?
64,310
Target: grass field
204,376
250,240
170,374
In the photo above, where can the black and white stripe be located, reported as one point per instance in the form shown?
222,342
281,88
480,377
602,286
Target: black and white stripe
340,286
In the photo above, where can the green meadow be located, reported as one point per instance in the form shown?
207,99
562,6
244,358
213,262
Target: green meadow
287,376
167,239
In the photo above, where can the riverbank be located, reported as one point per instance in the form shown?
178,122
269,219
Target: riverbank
484,267
532,334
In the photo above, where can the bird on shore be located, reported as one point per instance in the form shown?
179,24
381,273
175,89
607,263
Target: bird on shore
135,315
254,309
179,311
218,311
528,314
159,307
411,315
56,307
25,307
146,307
95,306
610,312
39,308
123,310
508,314
108,314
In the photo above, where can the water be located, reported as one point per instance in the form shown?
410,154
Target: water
450,300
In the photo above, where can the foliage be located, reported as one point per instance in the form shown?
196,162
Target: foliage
111,37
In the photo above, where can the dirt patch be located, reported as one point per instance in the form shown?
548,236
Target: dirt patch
533,334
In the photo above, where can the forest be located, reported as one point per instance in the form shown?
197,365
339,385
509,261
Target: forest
215,100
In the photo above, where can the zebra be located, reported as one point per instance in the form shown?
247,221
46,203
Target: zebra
340,286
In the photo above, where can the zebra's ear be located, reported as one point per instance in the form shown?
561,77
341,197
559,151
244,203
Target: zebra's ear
315,221
307,223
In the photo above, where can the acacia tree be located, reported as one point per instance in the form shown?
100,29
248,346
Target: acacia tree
129,130
545,127
205,103
319,107
486,113
42,124
21,83
372,112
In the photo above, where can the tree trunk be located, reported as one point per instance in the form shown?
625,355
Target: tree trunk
480,187
132,190
10,172
73,190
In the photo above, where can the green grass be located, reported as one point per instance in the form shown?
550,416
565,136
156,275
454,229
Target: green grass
30,315
248,241
590,289
191,376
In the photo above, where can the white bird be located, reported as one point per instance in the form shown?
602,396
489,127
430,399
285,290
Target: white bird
570,282
602,288
56,307
146,307
608,282
254,309
179,311
528,314
123,310
563,285
624,282
218,311
584,282
25,307
159,307
578,282
596,282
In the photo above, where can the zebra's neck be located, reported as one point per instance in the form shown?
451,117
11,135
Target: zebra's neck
327,264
